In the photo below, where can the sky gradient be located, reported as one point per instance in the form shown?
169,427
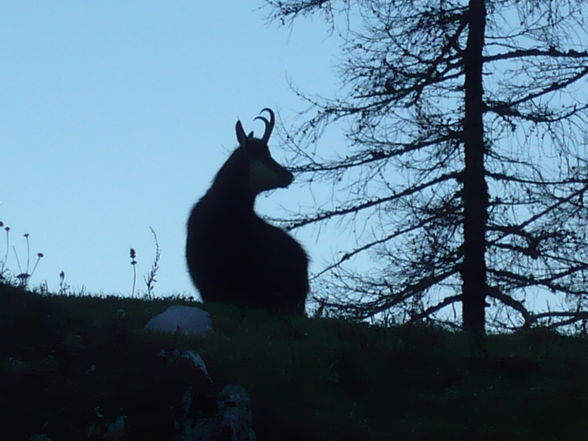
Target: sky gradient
116,115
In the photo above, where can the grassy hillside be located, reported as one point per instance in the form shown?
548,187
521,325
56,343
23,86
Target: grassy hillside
69,364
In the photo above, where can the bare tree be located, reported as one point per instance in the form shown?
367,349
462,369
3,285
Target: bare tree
466,166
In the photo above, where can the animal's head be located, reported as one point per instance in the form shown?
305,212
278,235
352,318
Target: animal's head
264,172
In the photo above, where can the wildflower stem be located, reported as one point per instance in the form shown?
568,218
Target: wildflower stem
133,254
17,259
39,256
134,281
7,229
28,252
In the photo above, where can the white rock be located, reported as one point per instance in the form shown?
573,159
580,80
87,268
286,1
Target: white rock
181,320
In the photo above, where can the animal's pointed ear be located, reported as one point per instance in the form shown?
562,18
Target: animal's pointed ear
250,134
241,137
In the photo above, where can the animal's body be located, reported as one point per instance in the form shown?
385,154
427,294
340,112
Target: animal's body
235,256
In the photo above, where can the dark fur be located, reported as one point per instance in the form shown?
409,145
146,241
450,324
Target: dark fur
232,254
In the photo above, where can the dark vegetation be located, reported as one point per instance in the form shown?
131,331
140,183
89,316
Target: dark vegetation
69,363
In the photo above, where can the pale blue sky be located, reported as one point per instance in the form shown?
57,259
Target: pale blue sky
115,116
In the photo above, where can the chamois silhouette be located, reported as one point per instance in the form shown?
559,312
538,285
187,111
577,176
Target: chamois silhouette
232,254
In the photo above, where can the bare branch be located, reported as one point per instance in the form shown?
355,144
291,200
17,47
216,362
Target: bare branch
522,53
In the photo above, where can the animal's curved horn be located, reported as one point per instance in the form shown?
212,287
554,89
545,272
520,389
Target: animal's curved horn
269,125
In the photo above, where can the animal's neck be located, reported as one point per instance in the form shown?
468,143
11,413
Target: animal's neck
233,200
230,189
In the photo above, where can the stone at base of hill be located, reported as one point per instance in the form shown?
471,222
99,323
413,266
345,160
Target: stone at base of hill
179,319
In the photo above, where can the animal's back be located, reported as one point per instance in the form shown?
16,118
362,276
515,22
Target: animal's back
242,259
283,267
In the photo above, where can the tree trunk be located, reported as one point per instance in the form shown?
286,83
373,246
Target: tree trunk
475,191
